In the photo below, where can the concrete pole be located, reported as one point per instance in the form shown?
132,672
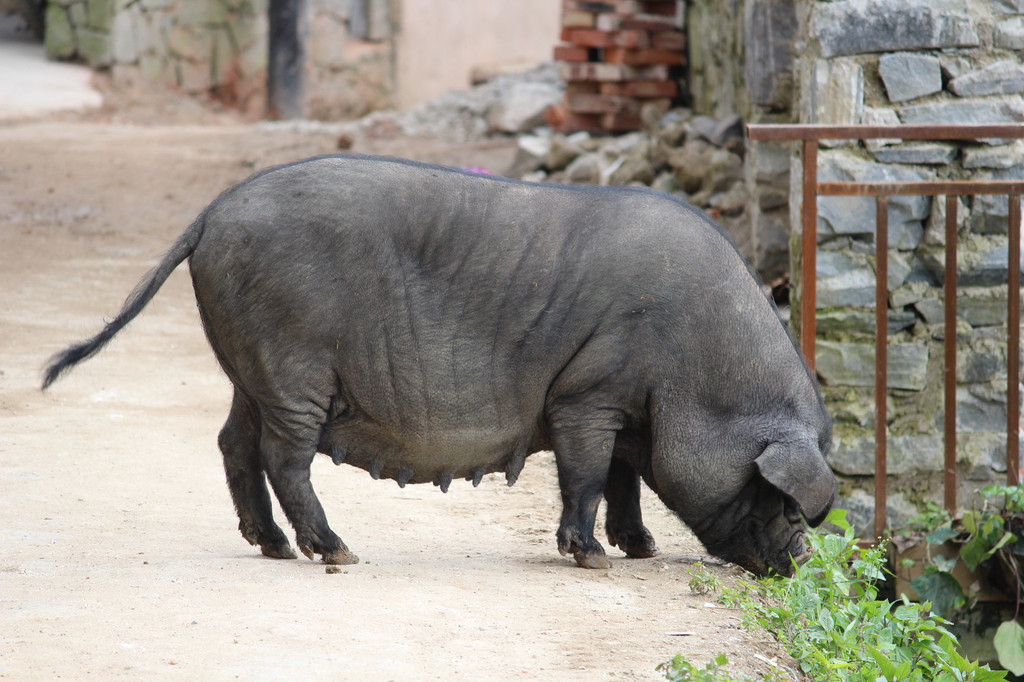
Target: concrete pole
286,64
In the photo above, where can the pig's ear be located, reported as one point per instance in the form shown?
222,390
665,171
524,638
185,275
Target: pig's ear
798,470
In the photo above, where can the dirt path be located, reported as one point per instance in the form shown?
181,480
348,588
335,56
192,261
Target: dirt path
119,555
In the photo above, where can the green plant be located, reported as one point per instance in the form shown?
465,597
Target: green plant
831,620
703,581
989,541
681,670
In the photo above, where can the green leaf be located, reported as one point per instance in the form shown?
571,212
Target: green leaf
884,664
941,535
944,563
973,553
941,589
837,517
1009,643
970,521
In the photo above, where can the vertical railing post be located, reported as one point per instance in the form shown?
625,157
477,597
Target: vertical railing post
949,342
881,358
809,255
1013,347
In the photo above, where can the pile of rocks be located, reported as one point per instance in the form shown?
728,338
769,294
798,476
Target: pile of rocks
506,104
697,158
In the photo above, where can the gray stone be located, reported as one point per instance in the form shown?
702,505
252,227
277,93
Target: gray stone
982,306
853,364
846,321
1004,77
60,37
854,288
923,153
992,270
909,76
733,200
1010,33
860,511
976,411
635,167
990,213
907,294
100,15
835,93
855,456
771,243
880,117
690,163
1001,157
94,47
931,309
858,26
189,42
856,216
585,169
564,150
978,366
125,34
951,112
1009,6
531,152
522,106
844,280
954,65
935,234
725,169
769,28
718,131
898,271
665,182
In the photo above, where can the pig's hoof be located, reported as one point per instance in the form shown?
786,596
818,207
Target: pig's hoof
341,557
642,551
639,545
591,560
278,550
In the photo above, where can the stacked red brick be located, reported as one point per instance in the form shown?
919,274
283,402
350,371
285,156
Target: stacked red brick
616,56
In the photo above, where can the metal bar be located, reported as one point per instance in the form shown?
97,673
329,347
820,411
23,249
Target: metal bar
949,430
1013,473
927,188
881,358
809,255
785,132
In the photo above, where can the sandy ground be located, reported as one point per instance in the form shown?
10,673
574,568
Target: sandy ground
119,554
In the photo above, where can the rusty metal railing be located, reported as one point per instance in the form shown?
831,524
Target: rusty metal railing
810,136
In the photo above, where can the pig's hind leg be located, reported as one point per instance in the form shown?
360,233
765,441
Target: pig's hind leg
239,443
288,444
624,523
582,455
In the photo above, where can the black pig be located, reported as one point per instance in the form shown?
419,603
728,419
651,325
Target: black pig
428,324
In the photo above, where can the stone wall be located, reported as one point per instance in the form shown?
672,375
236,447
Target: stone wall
217,46
741,62
913,61
220,47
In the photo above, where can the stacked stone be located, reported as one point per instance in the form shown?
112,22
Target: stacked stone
914,62
618,55
696,158
217,46
220,48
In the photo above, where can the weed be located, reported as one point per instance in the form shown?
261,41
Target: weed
830,619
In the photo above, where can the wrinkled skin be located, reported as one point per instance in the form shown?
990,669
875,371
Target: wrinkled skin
427,324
